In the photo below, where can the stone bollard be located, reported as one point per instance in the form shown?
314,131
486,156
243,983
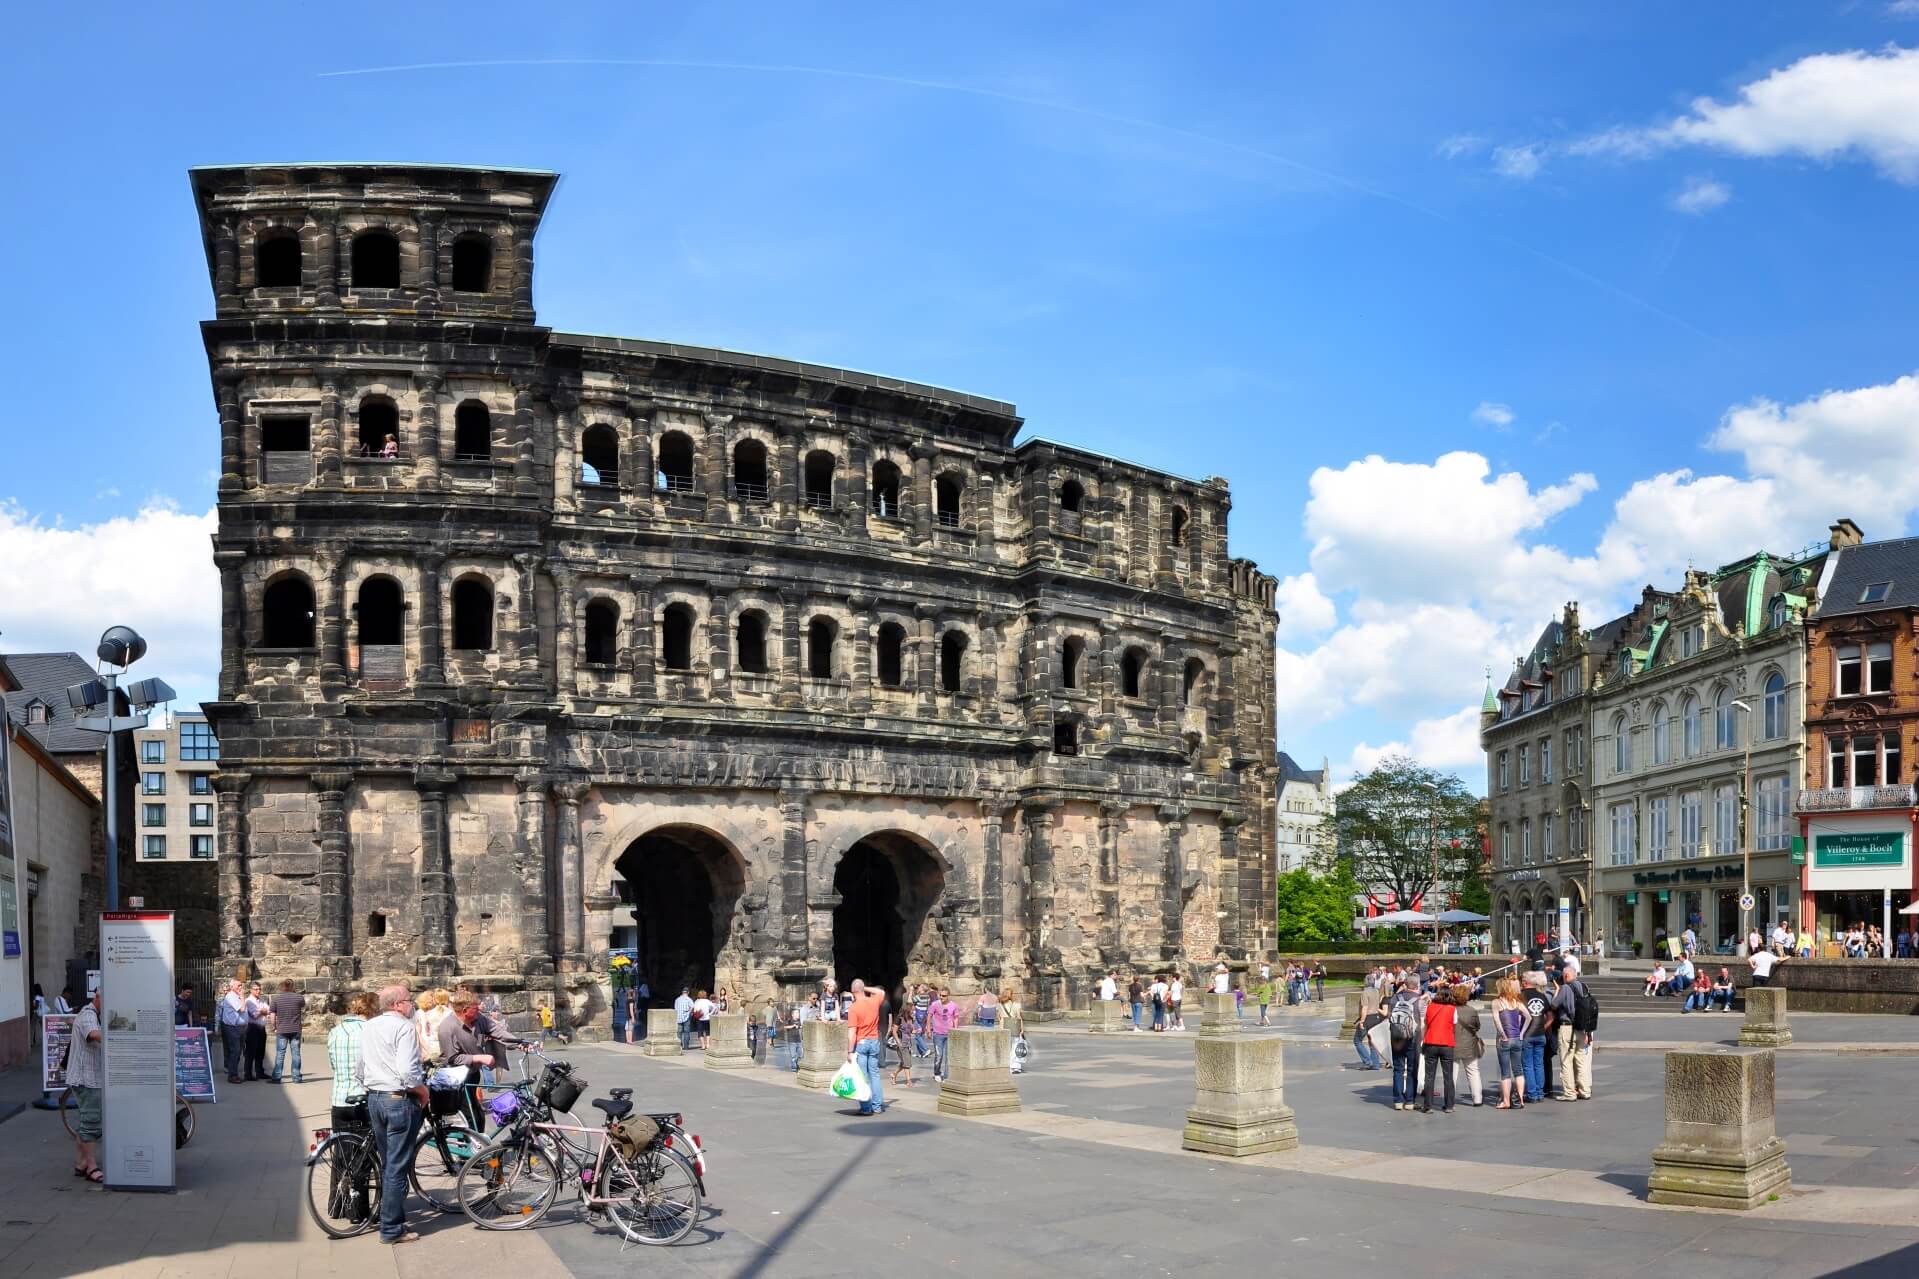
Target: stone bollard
1721,1150
1110,1017
1354,1009
1219,1015
823,1046
1765,1025
662,1033
979,1073
726,1042
1240,1107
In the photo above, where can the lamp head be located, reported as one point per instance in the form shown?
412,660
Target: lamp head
82,698
121,646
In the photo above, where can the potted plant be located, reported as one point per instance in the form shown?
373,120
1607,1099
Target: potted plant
1637,946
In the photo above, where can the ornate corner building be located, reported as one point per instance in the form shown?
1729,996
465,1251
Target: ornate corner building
540,647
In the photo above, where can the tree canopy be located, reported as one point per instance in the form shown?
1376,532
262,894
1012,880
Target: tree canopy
1393,820
1316,908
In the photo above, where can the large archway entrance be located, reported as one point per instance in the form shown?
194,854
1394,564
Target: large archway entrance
682,885
886,884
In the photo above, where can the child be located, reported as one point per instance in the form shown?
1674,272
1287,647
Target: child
1655,984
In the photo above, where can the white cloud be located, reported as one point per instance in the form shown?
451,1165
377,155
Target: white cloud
1492,413
1700,196
1461,144
1451,741
1824,106
1903,8
1303,608
1521,163
60,587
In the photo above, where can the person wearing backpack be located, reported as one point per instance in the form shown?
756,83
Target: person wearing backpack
1577,1013
1406,1015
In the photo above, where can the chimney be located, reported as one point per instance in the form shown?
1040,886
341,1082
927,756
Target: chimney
1846,533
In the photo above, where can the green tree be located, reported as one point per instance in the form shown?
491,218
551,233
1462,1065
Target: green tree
1401,820
1316,908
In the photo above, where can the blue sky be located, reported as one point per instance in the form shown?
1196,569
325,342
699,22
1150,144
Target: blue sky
1595,288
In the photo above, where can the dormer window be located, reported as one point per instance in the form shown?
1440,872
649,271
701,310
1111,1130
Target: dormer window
1778,614
36,712
1875,593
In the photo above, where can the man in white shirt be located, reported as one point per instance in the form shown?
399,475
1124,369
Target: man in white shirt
1108,988
1175,997
1222,981
232,1016
1762,962
683,1017
1781,937
395,1086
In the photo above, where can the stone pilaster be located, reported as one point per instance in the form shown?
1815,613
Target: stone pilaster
985,518
858,448
1105,530
327,443
992,818
333,619
1041,956
922,455
535,943
426,457
233,622
1170,678
645,683
1232,922
523,425
788,696
236,893
1112,823
336,870
323,266
1172,899
526,627
713,464
233,460
566,634
572,859
436,873
639,462
926,670
428,271
719,647
988,665
432,651
523,225
786,494
226,266
861,677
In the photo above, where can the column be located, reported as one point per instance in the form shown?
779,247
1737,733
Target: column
526,634
226,266
328,447
523,224
1112,820
1141,517
1232,924
713,464
989,625
644,682
432,655
985,513
335,880
535,944
861,695
236,897
333,621
927,668
992,817
719,684
566,630
426,456
793,871
233,623
1172,920
786,497
326,259
922,455
233,462
1038,915
1225,710
523,485
859,468
1105,531
1164,576
436,870
791,603
1172,687
572,859
428,220
639,459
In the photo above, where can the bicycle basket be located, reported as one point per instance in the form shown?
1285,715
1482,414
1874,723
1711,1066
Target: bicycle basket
446,1101
504,1107
634,1133
558,1088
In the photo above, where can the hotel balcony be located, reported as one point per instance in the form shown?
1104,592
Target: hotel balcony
1840,799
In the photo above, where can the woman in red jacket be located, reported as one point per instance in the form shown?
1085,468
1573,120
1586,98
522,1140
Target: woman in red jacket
1439,1049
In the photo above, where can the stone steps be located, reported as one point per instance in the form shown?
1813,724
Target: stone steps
1620,996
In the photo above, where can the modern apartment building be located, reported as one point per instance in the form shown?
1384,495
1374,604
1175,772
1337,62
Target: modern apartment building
174,806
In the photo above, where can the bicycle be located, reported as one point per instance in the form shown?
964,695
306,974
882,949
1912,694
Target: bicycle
687,1143
183,1117
343,1168
649,1189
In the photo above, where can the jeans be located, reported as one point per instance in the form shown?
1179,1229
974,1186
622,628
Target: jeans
921,1040
989,1017
939,1054
1319,990
1535,1060
1439,1066
394,1121
867,1054
1724,999
1405,1071
1139,1013
280,1044
1697,999
233,1042
686,1034
1512,1053
1159,1015
1368,1055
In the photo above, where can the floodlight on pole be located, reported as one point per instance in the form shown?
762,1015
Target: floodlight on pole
1745,842
95,704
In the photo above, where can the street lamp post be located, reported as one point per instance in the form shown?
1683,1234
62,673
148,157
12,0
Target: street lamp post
1432,844
97,704
1745,841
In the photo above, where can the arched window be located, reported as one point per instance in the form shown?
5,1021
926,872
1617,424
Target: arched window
286,613
676,637
952,660
1692,721
946,495
1726,721
276,260
599,455
472,432
821,633
473,613
1775,706
1195,671
1179,526
378,612
892,654
1621,746
379,422
886,490
818,490
676,462
602,633
376,260
749,642
1661,735
749,471
1778,614
472,264
1132,664
1071,495
1069,659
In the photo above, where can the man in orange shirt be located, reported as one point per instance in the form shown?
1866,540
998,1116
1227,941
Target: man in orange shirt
863,1016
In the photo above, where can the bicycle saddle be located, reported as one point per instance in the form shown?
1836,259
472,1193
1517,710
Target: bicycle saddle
615,1108
620,1094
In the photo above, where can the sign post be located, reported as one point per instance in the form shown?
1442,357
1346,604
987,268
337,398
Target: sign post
1565,924
136,988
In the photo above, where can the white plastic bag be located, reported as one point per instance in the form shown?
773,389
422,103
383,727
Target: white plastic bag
851,1084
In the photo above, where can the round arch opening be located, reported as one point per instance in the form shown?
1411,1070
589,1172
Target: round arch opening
681,885
886,884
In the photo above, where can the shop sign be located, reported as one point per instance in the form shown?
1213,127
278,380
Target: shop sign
1799,850
1690,875
1875,848
1665,895
1632,899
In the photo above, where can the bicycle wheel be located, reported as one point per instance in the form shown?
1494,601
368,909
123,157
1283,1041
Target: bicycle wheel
508,1184
438,1156
655,1198
182,1122
68,1104
343,1190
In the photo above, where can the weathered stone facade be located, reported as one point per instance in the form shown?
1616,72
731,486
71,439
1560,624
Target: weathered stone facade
902,698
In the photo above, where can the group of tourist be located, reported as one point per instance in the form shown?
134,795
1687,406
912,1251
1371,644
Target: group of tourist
1425,1017
245,1016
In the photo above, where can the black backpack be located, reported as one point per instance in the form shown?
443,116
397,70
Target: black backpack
1585,1009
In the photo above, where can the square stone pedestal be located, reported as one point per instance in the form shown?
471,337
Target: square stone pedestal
979,1073
662,1033
726,1042
823,1046
1218,1015
1110,1016
1721,1150
1355,1006
1240,1106
1765,1025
